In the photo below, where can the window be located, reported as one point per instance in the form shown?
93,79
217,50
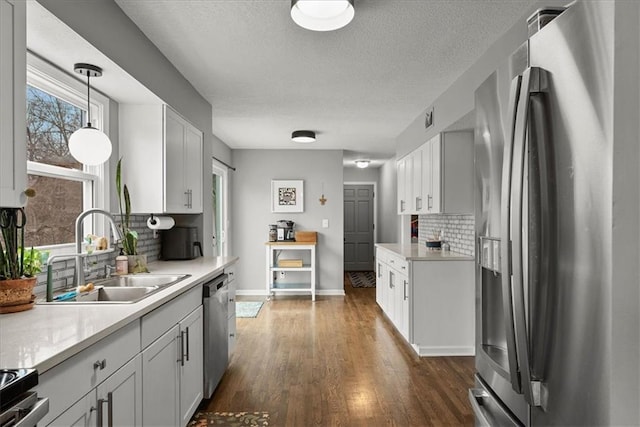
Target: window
56,107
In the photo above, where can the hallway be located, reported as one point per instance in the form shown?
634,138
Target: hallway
338,362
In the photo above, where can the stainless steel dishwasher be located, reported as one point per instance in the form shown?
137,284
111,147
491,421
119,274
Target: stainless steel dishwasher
215,299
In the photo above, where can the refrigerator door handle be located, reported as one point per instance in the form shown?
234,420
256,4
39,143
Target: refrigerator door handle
507,302
530,84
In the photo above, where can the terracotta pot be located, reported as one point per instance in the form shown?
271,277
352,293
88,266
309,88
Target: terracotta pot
17,292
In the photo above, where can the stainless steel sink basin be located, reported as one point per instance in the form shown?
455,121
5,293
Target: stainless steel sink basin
124,294
124,289
141,280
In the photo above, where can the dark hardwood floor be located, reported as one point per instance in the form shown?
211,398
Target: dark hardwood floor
339,362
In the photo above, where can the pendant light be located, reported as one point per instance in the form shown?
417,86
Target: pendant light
322,15
89,145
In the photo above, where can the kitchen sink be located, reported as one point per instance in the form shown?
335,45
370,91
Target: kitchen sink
123,289
125,294
141,280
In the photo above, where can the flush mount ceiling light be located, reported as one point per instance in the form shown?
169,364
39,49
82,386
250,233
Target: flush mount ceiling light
89,145
362,163
303,136
322,15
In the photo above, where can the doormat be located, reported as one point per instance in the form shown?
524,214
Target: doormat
248,308
362,279
229,419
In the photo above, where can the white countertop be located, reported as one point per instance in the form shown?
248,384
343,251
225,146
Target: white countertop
415,252
48,334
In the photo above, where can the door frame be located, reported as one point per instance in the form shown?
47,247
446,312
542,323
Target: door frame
222,170
375,206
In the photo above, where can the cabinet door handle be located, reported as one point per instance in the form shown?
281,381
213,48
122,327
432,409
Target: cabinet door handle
181,359
100,420
110,408
100,364
418,203
405,290
429,202
232,335
187,344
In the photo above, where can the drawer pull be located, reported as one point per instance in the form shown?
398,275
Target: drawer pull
100,364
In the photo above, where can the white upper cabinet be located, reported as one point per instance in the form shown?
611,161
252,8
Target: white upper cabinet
13,89
431,179
405,185
161,160
437,177
456,173
417,173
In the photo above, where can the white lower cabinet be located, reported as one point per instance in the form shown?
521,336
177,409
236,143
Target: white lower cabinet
191,364
148,373
160,380
120,396
109,370
115,402
396,298
431,303
172,364
381,287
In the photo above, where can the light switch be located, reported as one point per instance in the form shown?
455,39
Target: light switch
325,223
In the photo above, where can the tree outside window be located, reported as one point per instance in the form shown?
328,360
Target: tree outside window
59,194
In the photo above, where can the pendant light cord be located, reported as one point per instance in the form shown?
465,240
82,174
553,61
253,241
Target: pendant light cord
88,99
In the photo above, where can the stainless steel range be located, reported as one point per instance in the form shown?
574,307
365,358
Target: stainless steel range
19,406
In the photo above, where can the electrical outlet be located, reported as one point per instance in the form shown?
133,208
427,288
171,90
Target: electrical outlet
282,274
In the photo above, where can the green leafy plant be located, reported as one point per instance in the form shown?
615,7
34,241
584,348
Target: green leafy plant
16,263
129,236
32,263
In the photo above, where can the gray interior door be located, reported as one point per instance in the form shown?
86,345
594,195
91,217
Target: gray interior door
358,227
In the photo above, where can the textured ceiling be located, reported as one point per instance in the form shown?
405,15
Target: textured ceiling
357,87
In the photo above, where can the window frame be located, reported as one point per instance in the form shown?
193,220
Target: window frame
49,78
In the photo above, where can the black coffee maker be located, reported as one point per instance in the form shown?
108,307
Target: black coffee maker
285,231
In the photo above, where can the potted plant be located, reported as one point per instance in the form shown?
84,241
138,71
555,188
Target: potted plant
137,262
18,267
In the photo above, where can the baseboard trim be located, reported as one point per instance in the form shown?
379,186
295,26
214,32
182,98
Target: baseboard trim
426,351
263,293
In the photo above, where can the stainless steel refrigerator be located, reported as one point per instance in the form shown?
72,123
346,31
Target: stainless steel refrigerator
543,150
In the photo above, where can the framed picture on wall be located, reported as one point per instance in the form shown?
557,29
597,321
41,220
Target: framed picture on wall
287,195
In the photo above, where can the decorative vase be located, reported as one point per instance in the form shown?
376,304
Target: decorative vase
137,264
16,294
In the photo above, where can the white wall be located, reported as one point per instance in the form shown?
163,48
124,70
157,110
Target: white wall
388,219
103,24
251,194
458,99
354,174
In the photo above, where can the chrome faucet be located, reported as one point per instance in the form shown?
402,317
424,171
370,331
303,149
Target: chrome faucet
50,261
80,278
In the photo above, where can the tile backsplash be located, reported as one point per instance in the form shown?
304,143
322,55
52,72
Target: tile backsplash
63,271
457,230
